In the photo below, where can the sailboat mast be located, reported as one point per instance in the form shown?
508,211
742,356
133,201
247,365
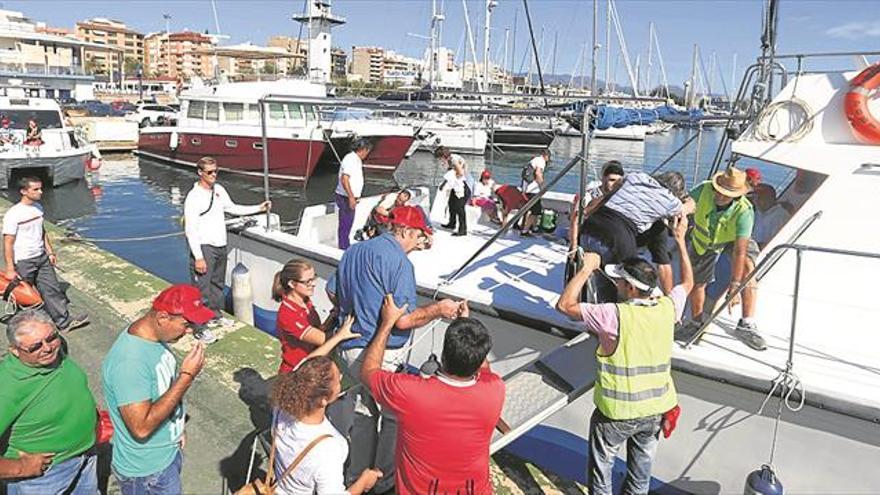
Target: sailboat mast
490,4
607,45
650,56
691,89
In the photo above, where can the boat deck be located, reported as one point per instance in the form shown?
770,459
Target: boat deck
523,277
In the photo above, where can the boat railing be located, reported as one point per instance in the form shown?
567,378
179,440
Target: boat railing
767,263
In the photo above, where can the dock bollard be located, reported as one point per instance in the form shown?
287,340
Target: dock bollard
242,294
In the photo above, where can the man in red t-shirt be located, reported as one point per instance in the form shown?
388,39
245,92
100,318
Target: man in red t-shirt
445,422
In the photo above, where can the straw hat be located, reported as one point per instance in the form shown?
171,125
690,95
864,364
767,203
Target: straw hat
732,183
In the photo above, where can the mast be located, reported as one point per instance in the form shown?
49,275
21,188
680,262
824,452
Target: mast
504,58
650,56
513,45
623,50
432,54
553,63
470,38
691,89
490,4
607,46
662,66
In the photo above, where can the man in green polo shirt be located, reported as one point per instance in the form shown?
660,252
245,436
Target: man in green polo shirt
724,217
48,411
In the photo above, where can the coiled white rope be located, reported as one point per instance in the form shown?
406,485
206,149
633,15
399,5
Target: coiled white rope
799,112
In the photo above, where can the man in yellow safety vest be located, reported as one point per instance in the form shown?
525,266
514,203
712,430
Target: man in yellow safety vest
634,387
724,218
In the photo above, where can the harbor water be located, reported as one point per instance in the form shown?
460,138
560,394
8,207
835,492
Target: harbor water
133,206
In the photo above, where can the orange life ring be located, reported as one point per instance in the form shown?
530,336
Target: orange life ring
865,126
93,164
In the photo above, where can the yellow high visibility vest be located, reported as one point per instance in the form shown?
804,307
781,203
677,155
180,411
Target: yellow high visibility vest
725,230
635,381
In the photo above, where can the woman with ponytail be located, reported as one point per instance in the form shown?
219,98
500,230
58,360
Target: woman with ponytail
298,327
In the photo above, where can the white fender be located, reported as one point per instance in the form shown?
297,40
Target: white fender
242,294
174,140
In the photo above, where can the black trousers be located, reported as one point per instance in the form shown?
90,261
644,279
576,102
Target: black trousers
457,215
214,280
40,273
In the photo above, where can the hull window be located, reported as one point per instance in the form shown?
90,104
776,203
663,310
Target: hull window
231,143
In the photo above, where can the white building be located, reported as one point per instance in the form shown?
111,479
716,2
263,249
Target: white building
318,20
44,64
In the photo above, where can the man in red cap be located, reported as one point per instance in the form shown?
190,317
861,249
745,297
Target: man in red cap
367,272
144,391
754,177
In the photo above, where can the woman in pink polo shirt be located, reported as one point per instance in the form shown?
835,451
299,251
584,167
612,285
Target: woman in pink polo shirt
298,327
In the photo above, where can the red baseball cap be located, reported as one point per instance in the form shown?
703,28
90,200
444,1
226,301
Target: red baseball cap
754,176
184,300
486,174
412,217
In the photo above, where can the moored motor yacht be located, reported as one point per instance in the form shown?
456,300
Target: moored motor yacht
391,140
60,155
223,121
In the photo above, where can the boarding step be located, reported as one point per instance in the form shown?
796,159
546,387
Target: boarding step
545,386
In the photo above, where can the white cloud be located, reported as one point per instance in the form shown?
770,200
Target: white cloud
855,30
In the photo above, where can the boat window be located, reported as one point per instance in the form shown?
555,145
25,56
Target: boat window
276,111
295,111
781,193
46,119
233,111
196,110
212,111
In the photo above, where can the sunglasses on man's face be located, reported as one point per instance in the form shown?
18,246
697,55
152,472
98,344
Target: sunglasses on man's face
39,345
210,172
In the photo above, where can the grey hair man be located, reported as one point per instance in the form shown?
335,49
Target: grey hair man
47,410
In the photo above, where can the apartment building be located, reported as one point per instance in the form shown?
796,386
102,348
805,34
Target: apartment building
377,65
180,55
111,33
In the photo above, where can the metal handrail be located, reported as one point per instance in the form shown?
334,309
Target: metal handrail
769,261
818,55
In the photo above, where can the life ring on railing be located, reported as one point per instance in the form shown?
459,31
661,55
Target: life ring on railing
93,163
865,126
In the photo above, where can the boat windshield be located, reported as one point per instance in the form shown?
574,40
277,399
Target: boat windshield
18,119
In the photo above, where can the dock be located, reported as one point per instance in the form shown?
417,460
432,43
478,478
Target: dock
227,405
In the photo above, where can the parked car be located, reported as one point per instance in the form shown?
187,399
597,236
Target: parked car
123,106
150,114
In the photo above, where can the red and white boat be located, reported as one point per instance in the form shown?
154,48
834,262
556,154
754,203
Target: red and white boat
223,121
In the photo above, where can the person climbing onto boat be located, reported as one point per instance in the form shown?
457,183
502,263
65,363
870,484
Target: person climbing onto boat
724,217
631,215
366,273
34,134
446,419
380,218
532,181
30,256
204,212
634,388
484,192
298,326
612,174
349,187
459,184
770,215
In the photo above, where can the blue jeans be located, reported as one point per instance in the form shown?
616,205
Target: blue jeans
641,436
165,482
78,472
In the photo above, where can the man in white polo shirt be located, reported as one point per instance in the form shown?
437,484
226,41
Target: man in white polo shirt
203,210
29,254
533,181
349,188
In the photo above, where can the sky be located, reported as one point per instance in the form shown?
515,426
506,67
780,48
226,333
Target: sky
722,26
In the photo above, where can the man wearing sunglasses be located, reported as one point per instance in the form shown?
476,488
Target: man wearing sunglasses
47,410
204,215
144,392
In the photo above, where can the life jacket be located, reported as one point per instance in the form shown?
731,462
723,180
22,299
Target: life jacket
725,229
635,380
